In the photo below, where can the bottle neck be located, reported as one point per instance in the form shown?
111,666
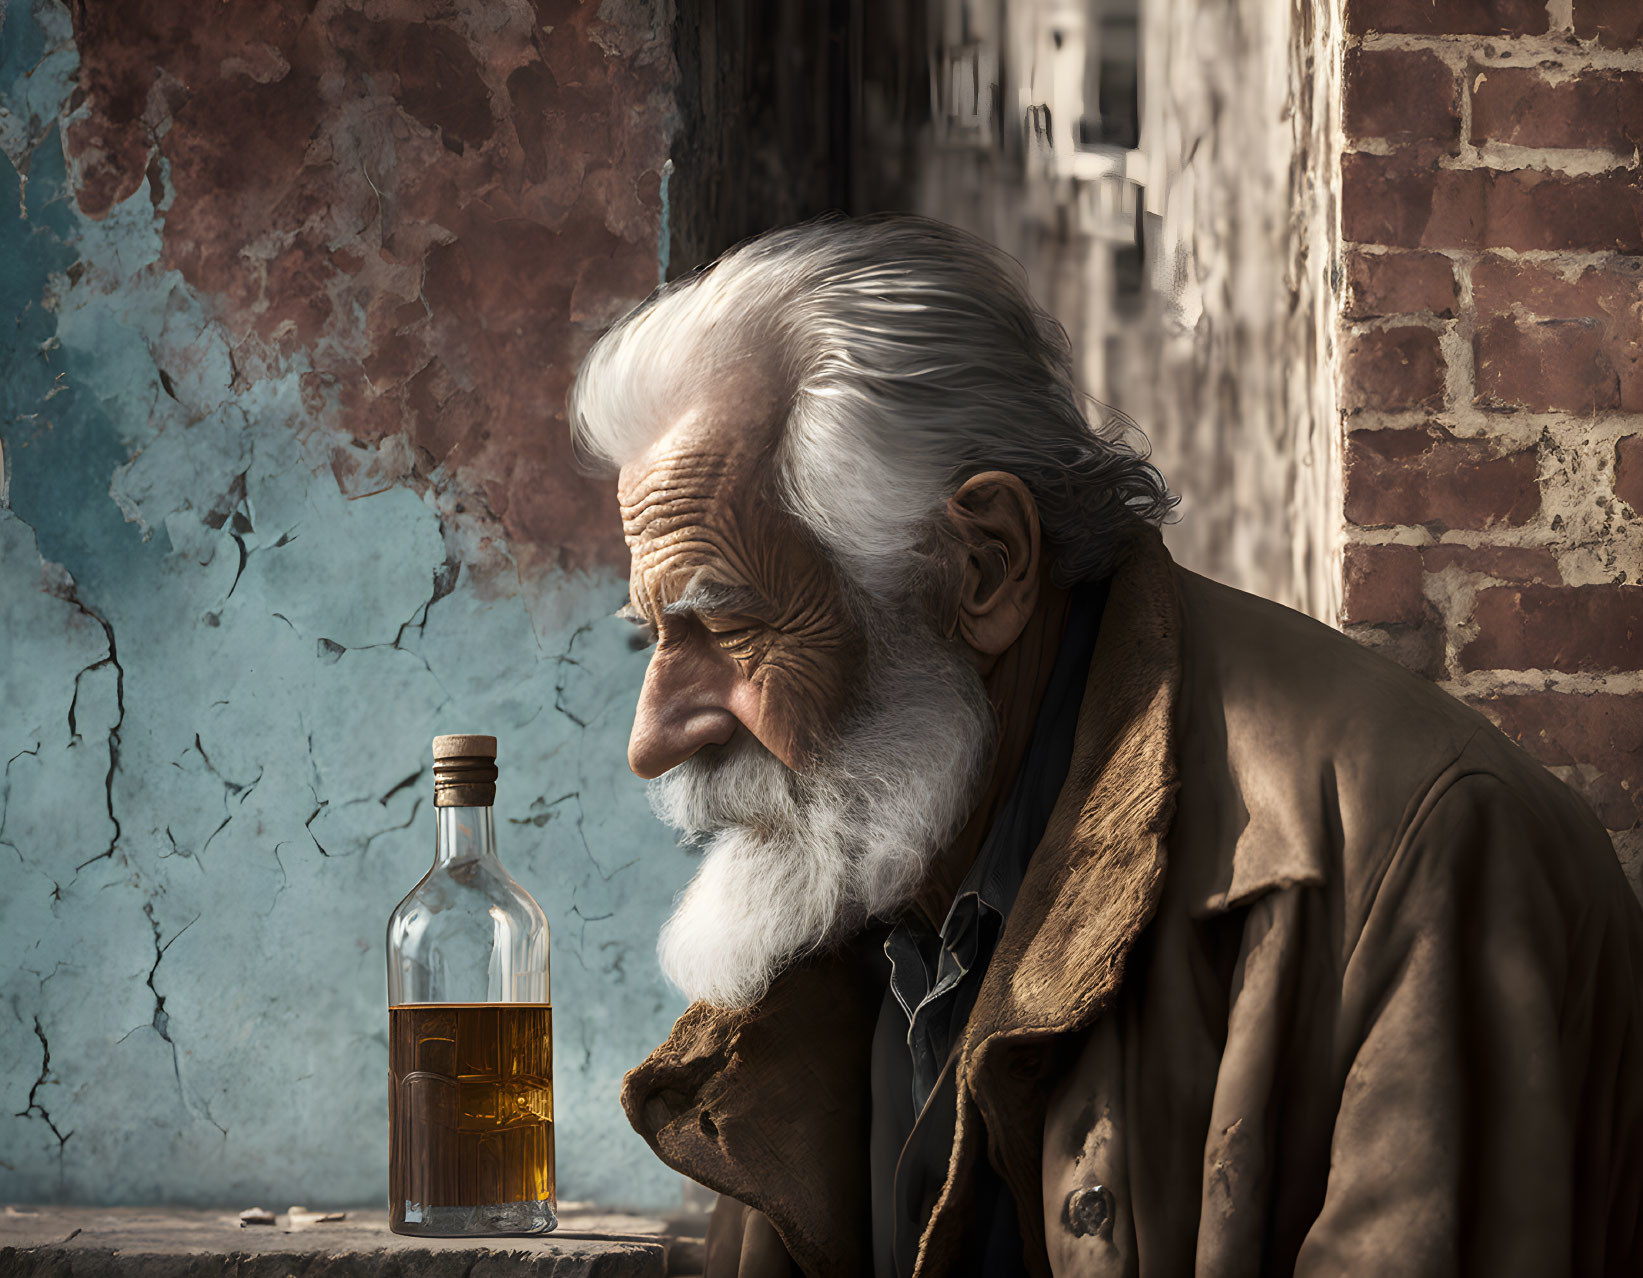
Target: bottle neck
464,834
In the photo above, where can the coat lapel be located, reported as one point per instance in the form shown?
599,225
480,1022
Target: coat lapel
1090,889
770,1106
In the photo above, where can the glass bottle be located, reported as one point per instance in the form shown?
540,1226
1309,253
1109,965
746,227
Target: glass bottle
470,1027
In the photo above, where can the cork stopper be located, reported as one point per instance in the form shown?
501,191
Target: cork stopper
464,770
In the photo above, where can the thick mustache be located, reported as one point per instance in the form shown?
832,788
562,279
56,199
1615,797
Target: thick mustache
737,786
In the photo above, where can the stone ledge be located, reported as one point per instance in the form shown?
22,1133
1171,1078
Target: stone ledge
173,1242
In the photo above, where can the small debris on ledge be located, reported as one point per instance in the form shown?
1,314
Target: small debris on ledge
302,1218
256,1216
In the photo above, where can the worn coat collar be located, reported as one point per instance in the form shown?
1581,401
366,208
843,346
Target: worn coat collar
770,1105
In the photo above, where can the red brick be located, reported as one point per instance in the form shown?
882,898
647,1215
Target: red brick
1391,369
1399,284
1628,472
1428,477
1557,366
1401,94
1587,355
1600,732
1602,109
1405,200
1613,292
1387,199
1616,23
1382,585
1522,565
1569,628
1528,209
1445,17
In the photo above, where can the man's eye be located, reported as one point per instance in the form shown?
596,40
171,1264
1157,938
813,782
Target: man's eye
738,641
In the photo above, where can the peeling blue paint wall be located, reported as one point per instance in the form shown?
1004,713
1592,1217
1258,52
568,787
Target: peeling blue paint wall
218,678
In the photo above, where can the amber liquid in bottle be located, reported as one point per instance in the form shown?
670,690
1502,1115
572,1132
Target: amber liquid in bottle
470,1027
471,1104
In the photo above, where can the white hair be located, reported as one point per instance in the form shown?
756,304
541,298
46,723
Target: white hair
912,356
798,859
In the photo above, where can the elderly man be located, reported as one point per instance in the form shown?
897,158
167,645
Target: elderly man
1063,912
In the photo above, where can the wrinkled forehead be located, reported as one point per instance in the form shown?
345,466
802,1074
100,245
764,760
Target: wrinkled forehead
703,522
712,460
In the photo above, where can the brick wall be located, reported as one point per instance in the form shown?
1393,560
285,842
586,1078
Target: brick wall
1491,369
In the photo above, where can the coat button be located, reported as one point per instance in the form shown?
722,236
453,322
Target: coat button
1088,1212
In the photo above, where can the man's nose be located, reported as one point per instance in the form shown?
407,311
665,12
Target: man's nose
682,708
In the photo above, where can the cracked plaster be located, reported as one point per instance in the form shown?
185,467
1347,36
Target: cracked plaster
225,654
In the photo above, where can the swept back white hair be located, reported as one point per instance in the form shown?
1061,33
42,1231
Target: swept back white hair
912,356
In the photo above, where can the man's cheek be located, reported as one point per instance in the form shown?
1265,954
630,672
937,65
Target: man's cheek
796,707
763,713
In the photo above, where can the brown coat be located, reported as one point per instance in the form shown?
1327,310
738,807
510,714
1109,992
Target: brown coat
1313,972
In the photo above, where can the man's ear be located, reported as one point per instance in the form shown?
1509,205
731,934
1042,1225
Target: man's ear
999,557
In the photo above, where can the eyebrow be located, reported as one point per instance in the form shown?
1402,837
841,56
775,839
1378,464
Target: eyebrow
713,598
706,599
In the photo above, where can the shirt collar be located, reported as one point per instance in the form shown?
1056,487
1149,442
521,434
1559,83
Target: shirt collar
994,877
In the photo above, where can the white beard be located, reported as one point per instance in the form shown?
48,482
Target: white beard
795,860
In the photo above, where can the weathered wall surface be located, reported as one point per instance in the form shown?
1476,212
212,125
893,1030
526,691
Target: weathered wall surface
292,296
1227,367
1492,371
1222,354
